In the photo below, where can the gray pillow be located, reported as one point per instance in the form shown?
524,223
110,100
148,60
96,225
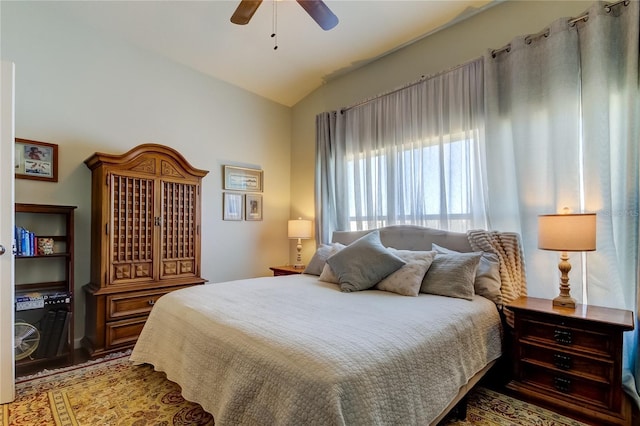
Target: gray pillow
363,263
452,275
487,282
320,257
407,280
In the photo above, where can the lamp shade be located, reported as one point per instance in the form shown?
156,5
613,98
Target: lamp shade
567,232
300,228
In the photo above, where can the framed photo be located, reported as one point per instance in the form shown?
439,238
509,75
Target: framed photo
232,206
253,207
36,160
241,179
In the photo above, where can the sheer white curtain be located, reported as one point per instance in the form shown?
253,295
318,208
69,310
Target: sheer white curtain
563,129
413,156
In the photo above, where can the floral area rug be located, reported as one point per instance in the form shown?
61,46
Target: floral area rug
489,408
112,391
107,393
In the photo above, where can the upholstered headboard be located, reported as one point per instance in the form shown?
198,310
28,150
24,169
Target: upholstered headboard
410,237
506,245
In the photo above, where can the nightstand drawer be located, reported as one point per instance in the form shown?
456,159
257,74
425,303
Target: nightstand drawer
597,369
577,389
567,334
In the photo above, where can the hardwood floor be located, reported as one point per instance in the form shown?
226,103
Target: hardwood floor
79,356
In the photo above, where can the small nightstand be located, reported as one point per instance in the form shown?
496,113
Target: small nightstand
285,270
571,359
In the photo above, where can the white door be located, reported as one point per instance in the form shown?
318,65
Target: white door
7,366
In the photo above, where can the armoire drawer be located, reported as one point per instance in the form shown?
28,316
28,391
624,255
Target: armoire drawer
123,333
135,303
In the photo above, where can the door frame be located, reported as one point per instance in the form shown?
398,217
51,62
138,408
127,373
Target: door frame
7,314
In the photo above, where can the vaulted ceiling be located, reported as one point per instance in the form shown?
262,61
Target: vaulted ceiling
199,34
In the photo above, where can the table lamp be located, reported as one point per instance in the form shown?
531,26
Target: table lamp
300,229
565,233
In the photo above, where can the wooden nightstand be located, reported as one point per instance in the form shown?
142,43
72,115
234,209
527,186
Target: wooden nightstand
285,270
571,360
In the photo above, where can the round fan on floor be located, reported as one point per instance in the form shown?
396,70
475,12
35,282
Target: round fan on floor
319,11
26,339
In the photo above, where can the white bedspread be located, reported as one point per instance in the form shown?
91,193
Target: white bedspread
292,350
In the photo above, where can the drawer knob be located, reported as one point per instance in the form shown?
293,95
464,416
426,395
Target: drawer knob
562,361
562,336
152,302
561,384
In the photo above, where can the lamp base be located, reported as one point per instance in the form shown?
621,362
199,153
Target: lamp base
299,266
564,301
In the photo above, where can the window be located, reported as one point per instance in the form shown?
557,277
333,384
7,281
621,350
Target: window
422,184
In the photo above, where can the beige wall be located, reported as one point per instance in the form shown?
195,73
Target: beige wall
467,40
87,92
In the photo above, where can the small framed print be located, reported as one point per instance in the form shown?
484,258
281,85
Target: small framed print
232,206
253,207
36,160
242,179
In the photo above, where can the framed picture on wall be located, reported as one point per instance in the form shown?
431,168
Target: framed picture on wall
242,179
253,207
232,206
36,160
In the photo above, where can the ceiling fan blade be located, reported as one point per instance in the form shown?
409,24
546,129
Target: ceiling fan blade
245,11
320,13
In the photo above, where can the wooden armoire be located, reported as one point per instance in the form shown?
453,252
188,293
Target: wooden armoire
145,240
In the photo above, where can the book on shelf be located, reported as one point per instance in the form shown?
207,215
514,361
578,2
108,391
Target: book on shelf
46,325
63,337
25,242
57,333
40,299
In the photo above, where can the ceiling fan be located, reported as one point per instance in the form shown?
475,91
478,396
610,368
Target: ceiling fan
319,11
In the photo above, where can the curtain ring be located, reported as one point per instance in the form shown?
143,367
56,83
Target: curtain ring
546,33
527,40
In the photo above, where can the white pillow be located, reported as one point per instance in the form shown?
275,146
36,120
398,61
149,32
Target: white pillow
328,275
407,280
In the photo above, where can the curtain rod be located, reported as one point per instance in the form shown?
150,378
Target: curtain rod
507,48
391,92
572,22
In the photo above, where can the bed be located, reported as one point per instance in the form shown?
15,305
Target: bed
292,350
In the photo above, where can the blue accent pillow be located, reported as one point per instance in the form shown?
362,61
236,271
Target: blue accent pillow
363,263
317,262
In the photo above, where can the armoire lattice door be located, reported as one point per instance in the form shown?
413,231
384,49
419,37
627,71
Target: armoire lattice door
145,240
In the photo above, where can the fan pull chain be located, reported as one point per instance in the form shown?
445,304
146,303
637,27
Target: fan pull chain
274,25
